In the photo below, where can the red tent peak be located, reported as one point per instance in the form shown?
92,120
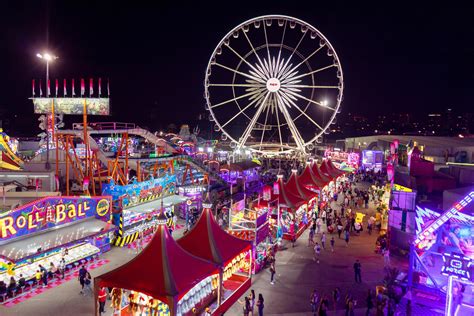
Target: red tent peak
209,241
160,270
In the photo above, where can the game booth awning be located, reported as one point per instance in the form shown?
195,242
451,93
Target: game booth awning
293,186
331,169
324,178
309,180
207,240
163,271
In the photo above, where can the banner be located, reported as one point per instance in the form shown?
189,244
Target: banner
159,187
50,212
95,106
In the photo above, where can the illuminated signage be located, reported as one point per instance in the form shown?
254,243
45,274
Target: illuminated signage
429,230
94,106
341,156
192,189
52,211
398,187
456,265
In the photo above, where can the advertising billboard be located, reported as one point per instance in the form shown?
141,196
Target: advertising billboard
50,212
71,106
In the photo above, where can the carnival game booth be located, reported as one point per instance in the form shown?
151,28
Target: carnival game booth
293,211
253,225
164,279
232,257
442,258
39,233
138,205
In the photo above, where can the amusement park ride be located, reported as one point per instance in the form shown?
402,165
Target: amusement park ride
82,156
274,86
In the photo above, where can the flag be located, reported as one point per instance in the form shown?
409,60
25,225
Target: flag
91,86
33,87
41,91
83,88
108,88
48,90
64,87
72,87
100,83
57,86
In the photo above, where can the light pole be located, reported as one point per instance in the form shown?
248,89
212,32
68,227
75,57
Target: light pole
324,103
48,58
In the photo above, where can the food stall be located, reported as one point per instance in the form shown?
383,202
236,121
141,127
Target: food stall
169,286
253,225
41,231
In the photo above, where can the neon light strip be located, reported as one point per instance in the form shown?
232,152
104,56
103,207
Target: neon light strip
444,217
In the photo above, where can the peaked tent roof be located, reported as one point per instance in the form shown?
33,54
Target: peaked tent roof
162,270
320,175
326,170
332,167
209,241
307,178
295,188
291,200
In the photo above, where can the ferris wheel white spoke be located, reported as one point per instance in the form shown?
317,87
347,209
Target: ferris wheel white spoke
246,62
278,124
311,72
308,86
253,49
268,50
309,100
281,46
249,128
249,85
243,110
265,124
285,97
304,60
234,99
241,73
294,50
290,122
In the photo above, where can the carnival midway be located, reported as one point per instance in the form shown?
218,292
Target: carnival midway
108,218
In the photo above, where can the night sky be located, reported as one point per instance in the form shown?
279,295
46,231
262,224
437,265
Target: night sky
399,58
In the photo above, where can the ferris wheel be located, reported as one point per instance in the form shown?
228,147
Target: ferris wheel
273,85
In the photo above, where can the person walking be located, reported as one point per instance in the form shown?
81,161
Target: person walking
357,271
339,228
346,237
386,258
336,296
323,306
323,240
102,300
62,267
260,304
370,303
313,300
349,305
332,242
311,237
317,251
82,278
88,283
252,301
272,272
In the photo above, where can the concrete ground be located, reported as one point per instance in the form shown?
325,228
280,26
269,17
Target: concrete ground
297,275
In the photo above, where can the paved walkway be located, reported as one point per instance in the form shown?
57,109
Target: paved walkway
298,275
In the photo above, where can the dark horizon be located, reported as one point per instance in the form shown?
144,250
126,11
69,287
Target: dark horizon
415,58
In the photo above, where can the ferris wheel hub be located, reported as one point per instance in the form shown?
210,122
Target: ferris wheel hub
273,84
